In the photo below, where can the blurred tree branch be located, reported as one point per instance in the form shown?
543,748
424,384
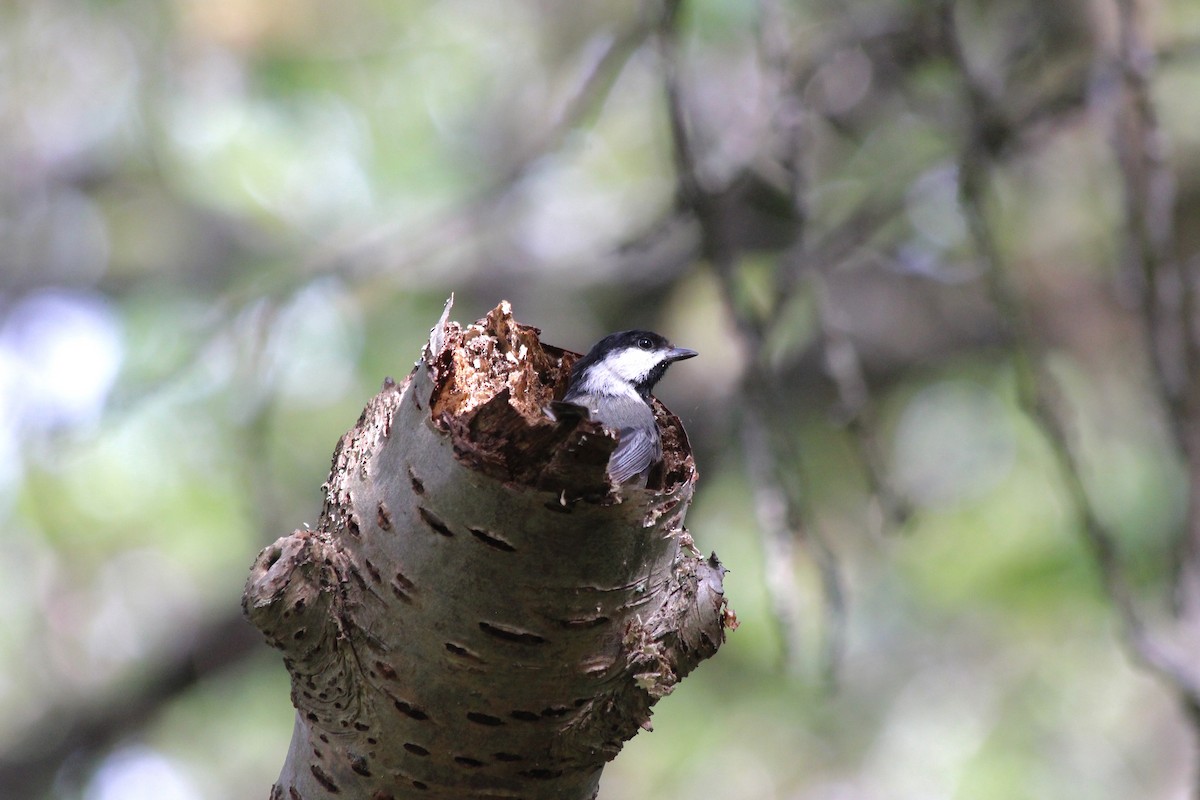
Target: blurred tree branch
716,212
1005,113
1162,651
76,734
1166,283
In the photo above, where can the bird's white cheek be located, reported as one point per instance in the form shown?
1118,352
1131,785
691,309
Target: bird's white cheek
604,381
633,365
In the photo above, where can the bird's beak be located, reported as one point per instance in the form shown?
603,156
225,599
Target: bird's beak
680,353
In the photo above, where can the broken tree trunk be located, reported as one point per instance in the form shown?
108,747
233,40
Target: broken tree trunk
479,613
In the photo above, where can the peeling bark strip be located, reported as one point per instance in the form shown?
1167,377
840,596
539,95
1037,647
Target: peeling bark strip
512,660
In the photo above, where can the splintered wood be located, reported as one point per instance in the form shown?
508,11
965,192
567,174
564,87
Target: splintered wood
495,354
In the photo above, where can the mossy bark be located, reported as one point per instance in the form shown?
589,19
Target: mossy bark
479,613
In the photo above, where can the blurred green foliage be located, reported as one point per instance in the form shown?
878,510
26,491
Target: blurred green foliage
224,222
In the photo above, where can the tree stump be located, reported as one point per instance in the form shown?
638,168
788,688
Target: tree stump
479,613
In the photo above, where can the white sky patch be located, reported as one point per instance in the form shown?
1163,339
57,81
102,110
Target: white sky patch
313,351
953,442
60,352
139,773
933,209
10,465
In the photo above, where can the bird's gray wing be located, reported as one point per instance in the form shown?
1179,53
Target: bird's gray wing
637,449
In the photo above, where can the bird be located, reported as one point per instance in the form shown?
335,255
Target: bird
613,382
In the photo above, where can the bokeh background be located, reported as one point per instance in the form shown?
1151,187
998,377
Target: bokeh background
224,222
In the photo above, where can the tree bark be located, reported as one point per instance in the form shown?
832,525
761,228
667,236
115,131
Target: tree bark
479,613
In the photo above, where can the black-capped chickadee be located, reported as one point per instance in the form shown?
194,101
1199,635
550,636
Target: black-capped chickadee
613,382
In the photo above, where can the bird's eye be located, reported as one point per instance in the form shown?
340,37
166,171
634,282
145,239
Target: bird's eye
645,343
